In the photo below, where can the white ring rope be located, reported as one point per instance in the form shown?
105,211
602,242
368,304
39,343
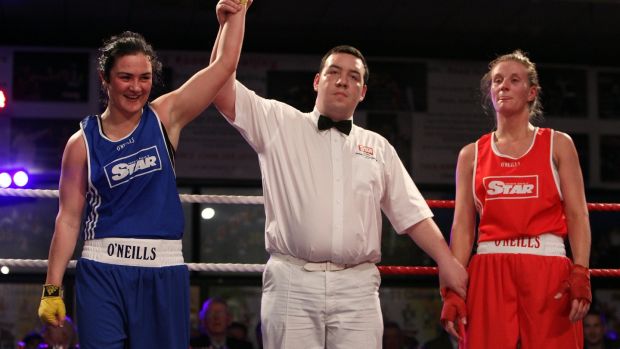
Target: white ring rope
190,198
212,267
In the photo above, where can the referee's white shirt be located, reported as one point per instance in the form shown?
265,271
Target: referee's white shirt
323,190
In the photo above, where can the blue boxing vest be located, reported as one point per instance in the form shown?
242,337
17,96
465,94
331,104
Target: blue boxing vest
132,189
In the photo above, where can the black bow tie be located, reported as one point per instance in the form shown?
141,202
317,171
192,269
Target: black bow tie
326,123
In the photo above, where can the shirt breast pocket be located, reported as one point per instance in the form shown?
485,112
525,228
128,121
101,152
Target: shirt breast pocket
366,176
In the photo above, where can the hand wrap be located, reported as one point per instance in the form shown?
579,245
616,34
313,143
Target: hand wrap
453,308
578,284
52,307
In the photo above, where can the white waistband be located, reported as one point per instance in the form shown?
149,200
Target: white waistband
542,245
134,252
313,266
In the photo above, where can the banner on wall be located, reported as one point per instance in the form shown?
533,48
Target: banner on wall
428,110
209,147
454,119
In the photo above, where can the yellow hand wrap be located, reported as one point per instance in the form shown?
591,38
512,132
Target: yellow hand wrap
52,308
243,2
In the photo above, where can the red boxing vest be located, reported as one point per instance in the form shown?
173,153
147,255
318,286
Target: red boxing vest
518,196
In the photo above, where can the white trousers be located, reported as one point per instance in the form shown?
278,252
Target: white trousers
320,309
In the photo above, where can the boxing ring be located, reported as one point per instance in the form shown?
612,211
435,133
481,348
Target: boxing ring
258,268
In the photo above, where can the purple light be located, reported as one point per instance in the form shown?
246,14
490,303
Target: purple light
2,99
20,178
5,180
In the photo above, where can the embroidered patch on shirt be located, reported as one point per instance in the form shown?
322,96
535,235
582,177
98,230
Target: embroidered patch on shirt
124,169
511,187
365,151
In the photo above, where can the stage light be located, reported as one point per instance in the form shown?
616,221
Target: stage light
13,177
5,180
4,270
2,99
207,213
20,178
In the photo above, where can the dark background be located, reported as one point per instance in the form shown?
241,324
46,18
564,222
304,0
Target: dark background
559,31
582,32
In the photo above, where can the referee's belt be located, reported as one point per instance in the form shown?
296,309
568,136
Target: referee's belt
314,266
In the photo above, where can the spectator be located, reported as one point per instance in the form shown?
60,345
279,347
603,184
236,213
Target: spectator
64,337
594,329
215,318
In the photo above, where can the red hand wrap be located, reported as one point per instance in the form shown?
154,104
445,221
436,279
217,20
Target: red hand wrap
578,283
453,306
